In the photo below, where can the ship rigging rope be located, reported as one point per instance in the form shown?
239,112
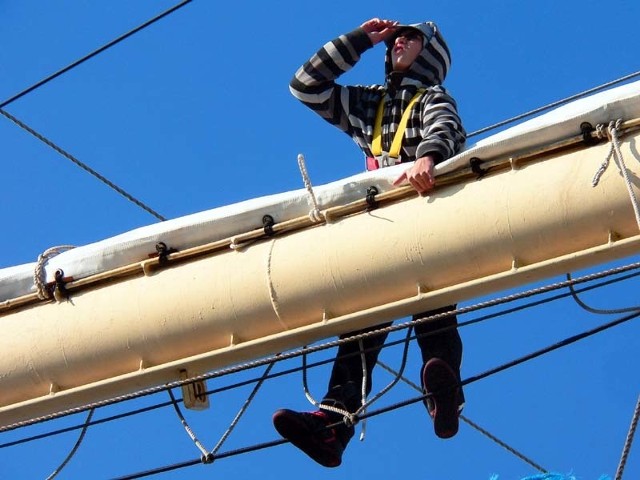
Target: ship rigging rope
518,361
94,53
82,165
348,417
66,69
616,153
73,451
554,104
628,441
187,428
600,311
315,215
242,410
472,424
334,343
351,418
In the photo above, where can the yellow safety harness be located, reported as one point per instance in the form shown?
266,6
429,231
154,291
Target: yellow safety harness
391,157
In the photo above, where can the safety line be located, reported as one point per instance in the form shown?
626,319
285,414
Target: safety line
554,104
324,346
92,54
488,373
82,165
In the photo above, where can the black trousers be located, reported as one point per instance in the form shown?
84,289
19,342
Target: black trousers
345,384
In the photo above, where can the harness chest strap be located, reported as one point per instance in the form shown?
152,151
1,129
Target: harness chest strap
390,158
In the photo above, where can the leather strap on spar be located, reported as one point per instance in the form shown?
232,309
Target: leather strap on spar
382,159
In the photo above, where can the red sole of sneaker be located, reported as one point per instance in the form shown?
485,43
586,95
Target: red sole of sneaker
440,379
299,435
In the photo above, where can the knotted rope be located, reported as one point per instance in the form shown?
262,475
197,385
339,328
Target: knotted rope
39,278
349,418
614,151
315,214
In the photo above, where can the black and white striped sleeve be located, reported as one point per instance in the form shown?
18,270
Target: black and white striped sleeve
442,130
314,84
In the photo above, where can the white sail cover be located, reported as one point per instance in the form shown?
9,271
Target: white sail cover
225,222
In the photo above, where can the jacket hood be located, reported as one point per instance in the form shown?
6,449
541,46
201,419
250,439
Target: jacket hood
431,65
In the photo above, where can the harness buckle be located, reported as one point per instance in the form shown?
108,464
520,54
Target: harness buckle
381,161
385,160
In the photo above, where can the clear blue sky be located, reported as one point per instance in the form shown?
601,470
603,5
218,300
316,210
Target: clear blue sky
194,113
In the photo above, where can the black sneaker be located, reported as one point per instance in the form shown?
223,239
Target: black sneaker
439,379
308,431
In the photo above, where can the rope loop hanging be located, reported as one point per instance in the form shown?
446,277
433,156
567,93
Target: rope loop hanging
315,214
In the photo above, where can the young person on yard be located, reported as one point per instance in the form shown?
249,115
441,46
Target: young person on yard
416,62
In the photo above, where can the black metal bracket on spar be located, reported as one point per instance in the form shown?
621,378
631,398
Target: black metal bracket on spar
163,252
267,224
371,198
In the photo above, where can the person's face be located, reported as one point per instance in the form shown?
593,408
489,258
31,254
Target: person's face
406,48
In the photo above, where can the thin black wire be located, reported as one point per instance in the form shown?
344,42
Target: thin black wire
525,358
73,451
598,311
190,463
66,69
554,104
93,54
591,277
82,165
474,425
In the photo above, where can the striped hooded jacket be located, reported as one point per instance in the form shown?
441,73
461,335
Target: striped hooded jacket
434,126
